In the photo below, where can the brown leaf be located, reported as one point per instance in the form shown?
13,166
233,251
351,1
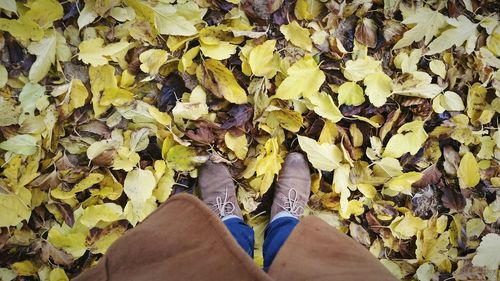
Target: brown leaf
96,127
239,115
432,176
373,222
366,32
46,181
202,135
260,9
425,202
452,199
50,253
105,159
451,160
66,212
389,123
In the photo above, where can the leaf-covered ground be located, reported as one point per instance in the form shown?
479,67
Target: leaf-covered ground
108,107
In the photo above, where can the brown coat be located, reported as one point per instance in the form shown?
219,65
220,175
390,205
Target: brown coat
184,240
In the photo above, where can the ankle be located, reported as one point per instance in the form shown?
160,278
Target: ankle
282,214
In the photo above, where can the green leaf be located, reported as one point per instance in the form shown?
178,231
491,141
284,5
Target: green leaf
20,144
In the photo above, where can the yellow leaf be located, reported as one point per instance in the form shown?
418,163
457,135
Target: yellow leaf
268,164
165,184
44,12
432,248
328,133
438,68
426,23
378,88
22,28
304,78
152,59
134,214
15,207
367,190
298,35
219,80
487,149
477,105
220,51
78,94
462,30
490,214
393,268
408,63
324,106
45,50
32,97
468,171
323,156
307,9
24,268
287,119
107,212
87,14
450,101
8,5
195,108
340,185
237,144
101,77
4,76
178,19
116,97
87,182
105,239
474,227
94,53
58,274
357,70
20,144
407,226
493,42
71,240
418,84
183,158
409,139
402,183
487,252
351,93
187,59
160,117
138,186
126,159
262,60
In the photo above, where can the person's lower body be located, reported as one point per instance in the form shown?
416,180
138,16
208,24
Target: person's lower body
275,235
292,191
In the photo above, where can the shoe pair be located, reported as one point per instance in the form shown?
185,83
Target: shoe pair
292,188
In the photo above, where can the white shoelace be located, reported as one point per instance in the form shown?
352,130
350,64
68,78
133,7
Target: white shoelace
292,203
223,207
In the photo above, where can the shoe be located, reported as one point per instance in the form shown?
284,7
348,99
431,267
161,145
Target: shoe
293,186
218,190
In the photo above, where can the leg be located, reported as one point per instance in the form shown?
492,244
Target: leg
181,240
217,191
292,193
276,234
242,233
317,251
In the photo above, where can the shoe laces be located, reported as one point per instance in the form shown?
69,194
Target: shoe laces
222,207
292,204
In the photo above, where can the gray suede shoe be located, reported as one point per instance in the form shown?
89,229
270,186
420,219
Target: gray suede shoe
218,190
293,186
